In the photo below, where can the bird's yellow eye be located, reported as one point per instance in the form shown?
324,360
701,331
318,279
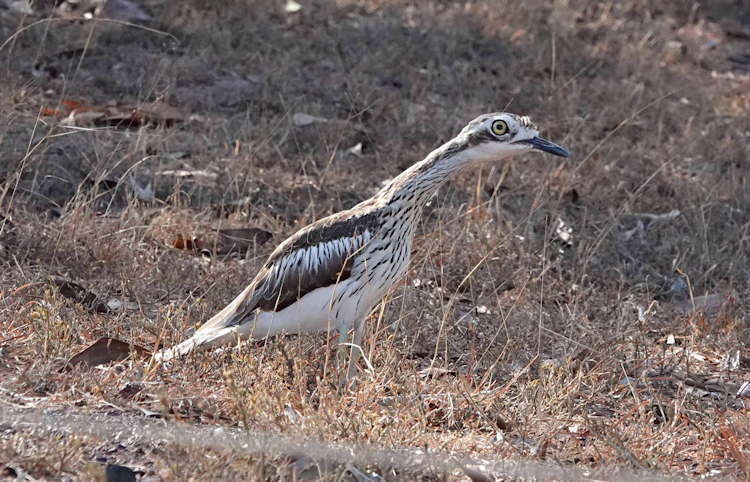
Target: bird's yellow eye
499,128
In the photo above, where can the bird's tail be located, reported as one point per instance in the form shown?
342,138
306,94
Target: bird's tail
222,329
204,341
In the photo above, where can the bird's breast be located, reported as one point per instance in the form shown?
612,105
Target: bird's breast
384,261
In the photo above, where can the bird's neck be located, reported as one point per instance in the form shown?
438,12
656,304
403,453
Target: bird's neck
414,187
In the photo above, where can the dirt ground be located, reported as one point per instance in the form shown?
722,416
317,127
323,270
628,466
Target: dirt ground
587,313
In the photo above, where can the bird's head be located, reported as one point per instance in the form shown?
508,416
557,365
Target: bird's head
499,135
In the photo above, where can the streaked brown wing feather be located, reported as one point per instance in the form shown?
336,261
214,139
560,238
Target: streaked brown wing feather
317,256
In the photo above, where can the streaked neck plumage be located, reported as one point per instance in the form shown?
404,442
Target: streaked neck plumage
416,185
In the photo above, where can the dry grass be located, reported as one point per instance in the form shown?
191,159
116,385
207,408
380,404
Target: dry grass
507,339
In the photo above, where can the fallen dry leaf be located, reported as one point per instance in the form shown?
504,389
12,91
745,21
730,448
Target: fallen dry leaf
152,113
229,241
79,294
105,350
159,113
181,242
242,239
126,115
130,390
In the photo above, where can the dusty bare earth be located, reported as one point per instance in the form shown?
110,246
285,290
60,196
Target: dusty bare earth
589,315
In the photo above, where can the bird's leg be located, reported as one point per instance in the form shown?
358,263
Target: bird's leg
343,343
355,352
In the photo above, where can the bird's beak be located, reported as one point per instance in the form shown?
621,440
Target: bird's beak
546,146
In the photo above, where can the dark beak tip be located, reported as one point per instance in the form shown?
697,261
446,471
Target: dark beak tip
546,146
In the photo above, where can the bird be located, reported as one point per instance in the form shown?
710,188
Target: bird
331,274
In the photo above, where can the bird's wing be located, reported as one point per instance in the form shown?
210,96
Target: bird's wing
317,256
